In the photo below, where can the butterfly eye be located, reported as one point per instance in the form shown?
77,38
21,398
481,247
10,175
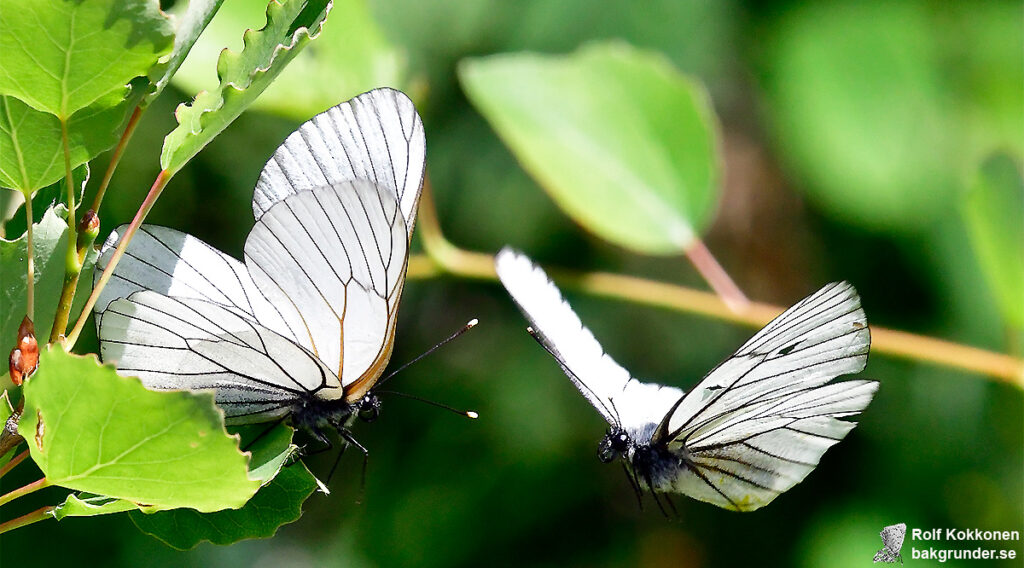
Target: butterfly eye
369,408
614,444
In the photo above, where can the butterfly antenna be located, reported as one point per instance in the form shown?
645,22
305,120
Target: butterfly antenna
466,413
469,325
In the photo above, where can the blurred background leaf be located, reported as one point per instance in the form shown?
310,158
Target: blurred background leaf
994,211
623,142
878,114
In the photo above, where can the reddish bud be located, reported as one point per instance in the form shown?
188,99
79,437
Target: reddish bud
24,357
88,229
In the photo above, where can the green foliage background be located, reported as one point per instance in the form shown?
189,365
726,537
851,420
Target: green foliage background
851,132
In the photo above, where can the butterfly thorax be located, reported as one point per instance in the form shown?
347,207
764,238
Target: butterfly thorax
656,465
314,414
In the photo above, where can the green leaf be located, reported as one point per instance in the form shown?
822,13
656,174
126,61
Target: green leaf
50,196
191,24
623,142
993,209
50,247
277,503
243,76
61,56
350,56
92,430
32,143
89,505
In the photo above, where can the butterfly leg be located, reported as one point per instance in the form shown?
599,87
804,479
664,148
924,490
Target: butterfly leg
636,487
347,436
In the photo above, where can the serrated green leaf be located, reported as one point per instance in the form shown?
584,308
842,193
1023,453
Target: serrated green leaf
89,505
277,503
191,23
623,142
32,143
993,209
61,56
243,76
92,430
349,57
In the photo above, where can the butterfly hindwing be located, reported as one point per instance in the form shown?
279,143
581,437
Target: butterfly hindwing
186,343
768,418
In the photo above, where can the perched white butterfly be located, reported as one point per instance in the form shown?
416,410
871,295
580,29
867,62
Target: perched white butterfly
754,427
892,539
304,327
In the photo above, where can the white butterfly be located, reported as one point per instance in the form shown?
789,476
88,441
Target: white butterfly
304,327
892,539
754,427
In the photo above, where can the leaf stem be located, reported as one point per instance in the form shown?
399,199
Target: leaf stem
40,514
716,276
72,265
442,257
13,463
115,159
30,288
36,485
140,216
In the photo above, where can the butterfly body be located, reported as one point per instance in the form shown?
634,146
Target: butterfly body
754,427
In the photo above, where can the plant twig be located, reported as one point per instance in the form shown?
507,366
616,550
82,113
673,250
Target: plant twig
40,514
115,159
36,485
444,257
72,266
140,216
30,258
13,463
716,276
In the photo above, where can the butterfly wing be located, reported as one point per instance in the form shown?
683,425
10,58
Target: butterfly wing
333,261
376,136
759,422
194,344
179,265
621,399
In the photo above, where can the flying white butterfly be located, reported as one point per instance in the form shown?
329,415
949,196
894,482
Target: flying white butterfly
754,427
892,539
304,327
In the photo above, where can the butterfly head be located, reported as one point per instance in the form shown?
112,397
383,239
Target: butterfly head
615,443
368,407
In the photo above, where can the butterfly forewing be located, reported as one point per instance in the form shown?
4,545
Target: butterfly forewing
621,399
377,136
334,260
